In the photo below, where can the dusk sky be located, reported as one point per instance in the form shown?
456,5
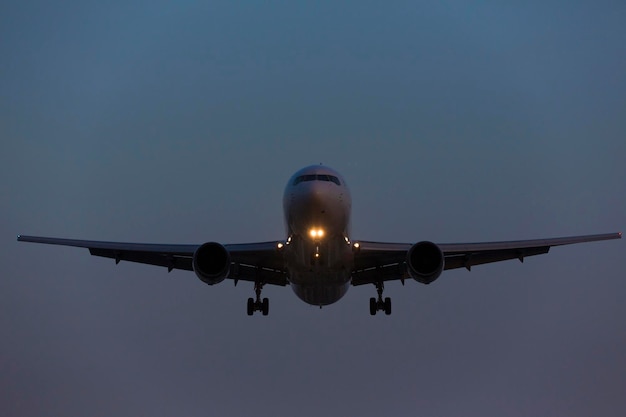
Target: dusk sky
181,122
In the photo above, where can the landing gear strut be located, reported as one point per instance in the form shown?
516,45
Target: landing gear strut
379,304
258,305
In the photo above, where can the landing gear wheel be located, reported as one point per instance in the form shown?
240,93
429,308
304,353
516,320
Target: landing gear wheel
255,304
250,306
265,307
387,306
377,304
373,306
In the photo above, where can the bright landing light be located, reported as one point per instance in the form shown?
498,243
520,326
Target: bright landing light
316,233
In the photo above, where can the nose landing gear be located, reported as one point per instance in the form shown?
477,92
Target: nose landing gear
258,305
378,304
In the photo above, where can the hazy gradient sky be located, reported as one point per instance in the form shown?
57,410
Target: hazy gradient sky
180,122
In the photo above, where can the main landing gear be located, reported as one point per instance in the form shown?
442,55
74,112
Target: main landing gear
258,305
379,304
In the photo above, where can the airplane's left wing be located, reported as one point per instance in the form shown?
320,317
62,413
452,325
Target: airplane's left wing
249,261
380,261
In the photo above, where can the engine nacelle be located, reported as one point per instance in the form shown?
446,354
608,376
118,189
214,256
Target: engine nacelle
425,262
211,263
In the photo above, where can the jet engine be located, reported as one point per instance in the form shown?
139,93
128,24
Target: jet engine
425,262
211,263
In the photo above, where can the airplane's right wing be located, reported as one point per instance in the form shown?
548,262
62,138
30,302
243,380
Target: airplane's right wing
249,261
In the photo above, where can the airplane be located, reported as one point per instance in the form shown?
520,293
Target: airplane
318,258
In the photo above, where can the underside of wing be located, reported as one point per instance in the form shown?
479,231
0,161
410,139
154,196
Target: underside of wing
248,261
379,261
466,255
258,262
172,256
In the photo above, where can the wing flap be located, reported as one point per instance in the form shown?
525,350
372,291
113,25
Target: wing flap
467,260
379,274
262,254
168,260
241,272
376,254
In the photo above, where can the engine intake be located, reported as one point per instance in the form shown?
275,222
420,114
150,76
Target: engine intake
211,263
425,262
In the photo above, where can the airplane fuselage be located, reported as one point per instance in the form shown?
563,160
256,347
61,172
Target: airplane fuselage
318,252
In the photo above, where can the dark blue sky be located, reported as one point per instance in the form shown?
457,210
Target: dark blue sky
181,123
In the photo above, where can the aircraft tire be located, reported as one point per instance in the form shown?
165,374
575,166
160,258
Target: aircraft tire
387,306
265,306
250,306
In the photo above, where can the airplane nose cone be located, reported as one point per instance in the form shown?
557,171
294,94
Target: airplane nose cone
315,205
312,200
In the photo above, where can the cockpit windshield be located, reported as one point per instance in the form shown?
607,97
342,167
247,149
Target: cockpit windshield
316,177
